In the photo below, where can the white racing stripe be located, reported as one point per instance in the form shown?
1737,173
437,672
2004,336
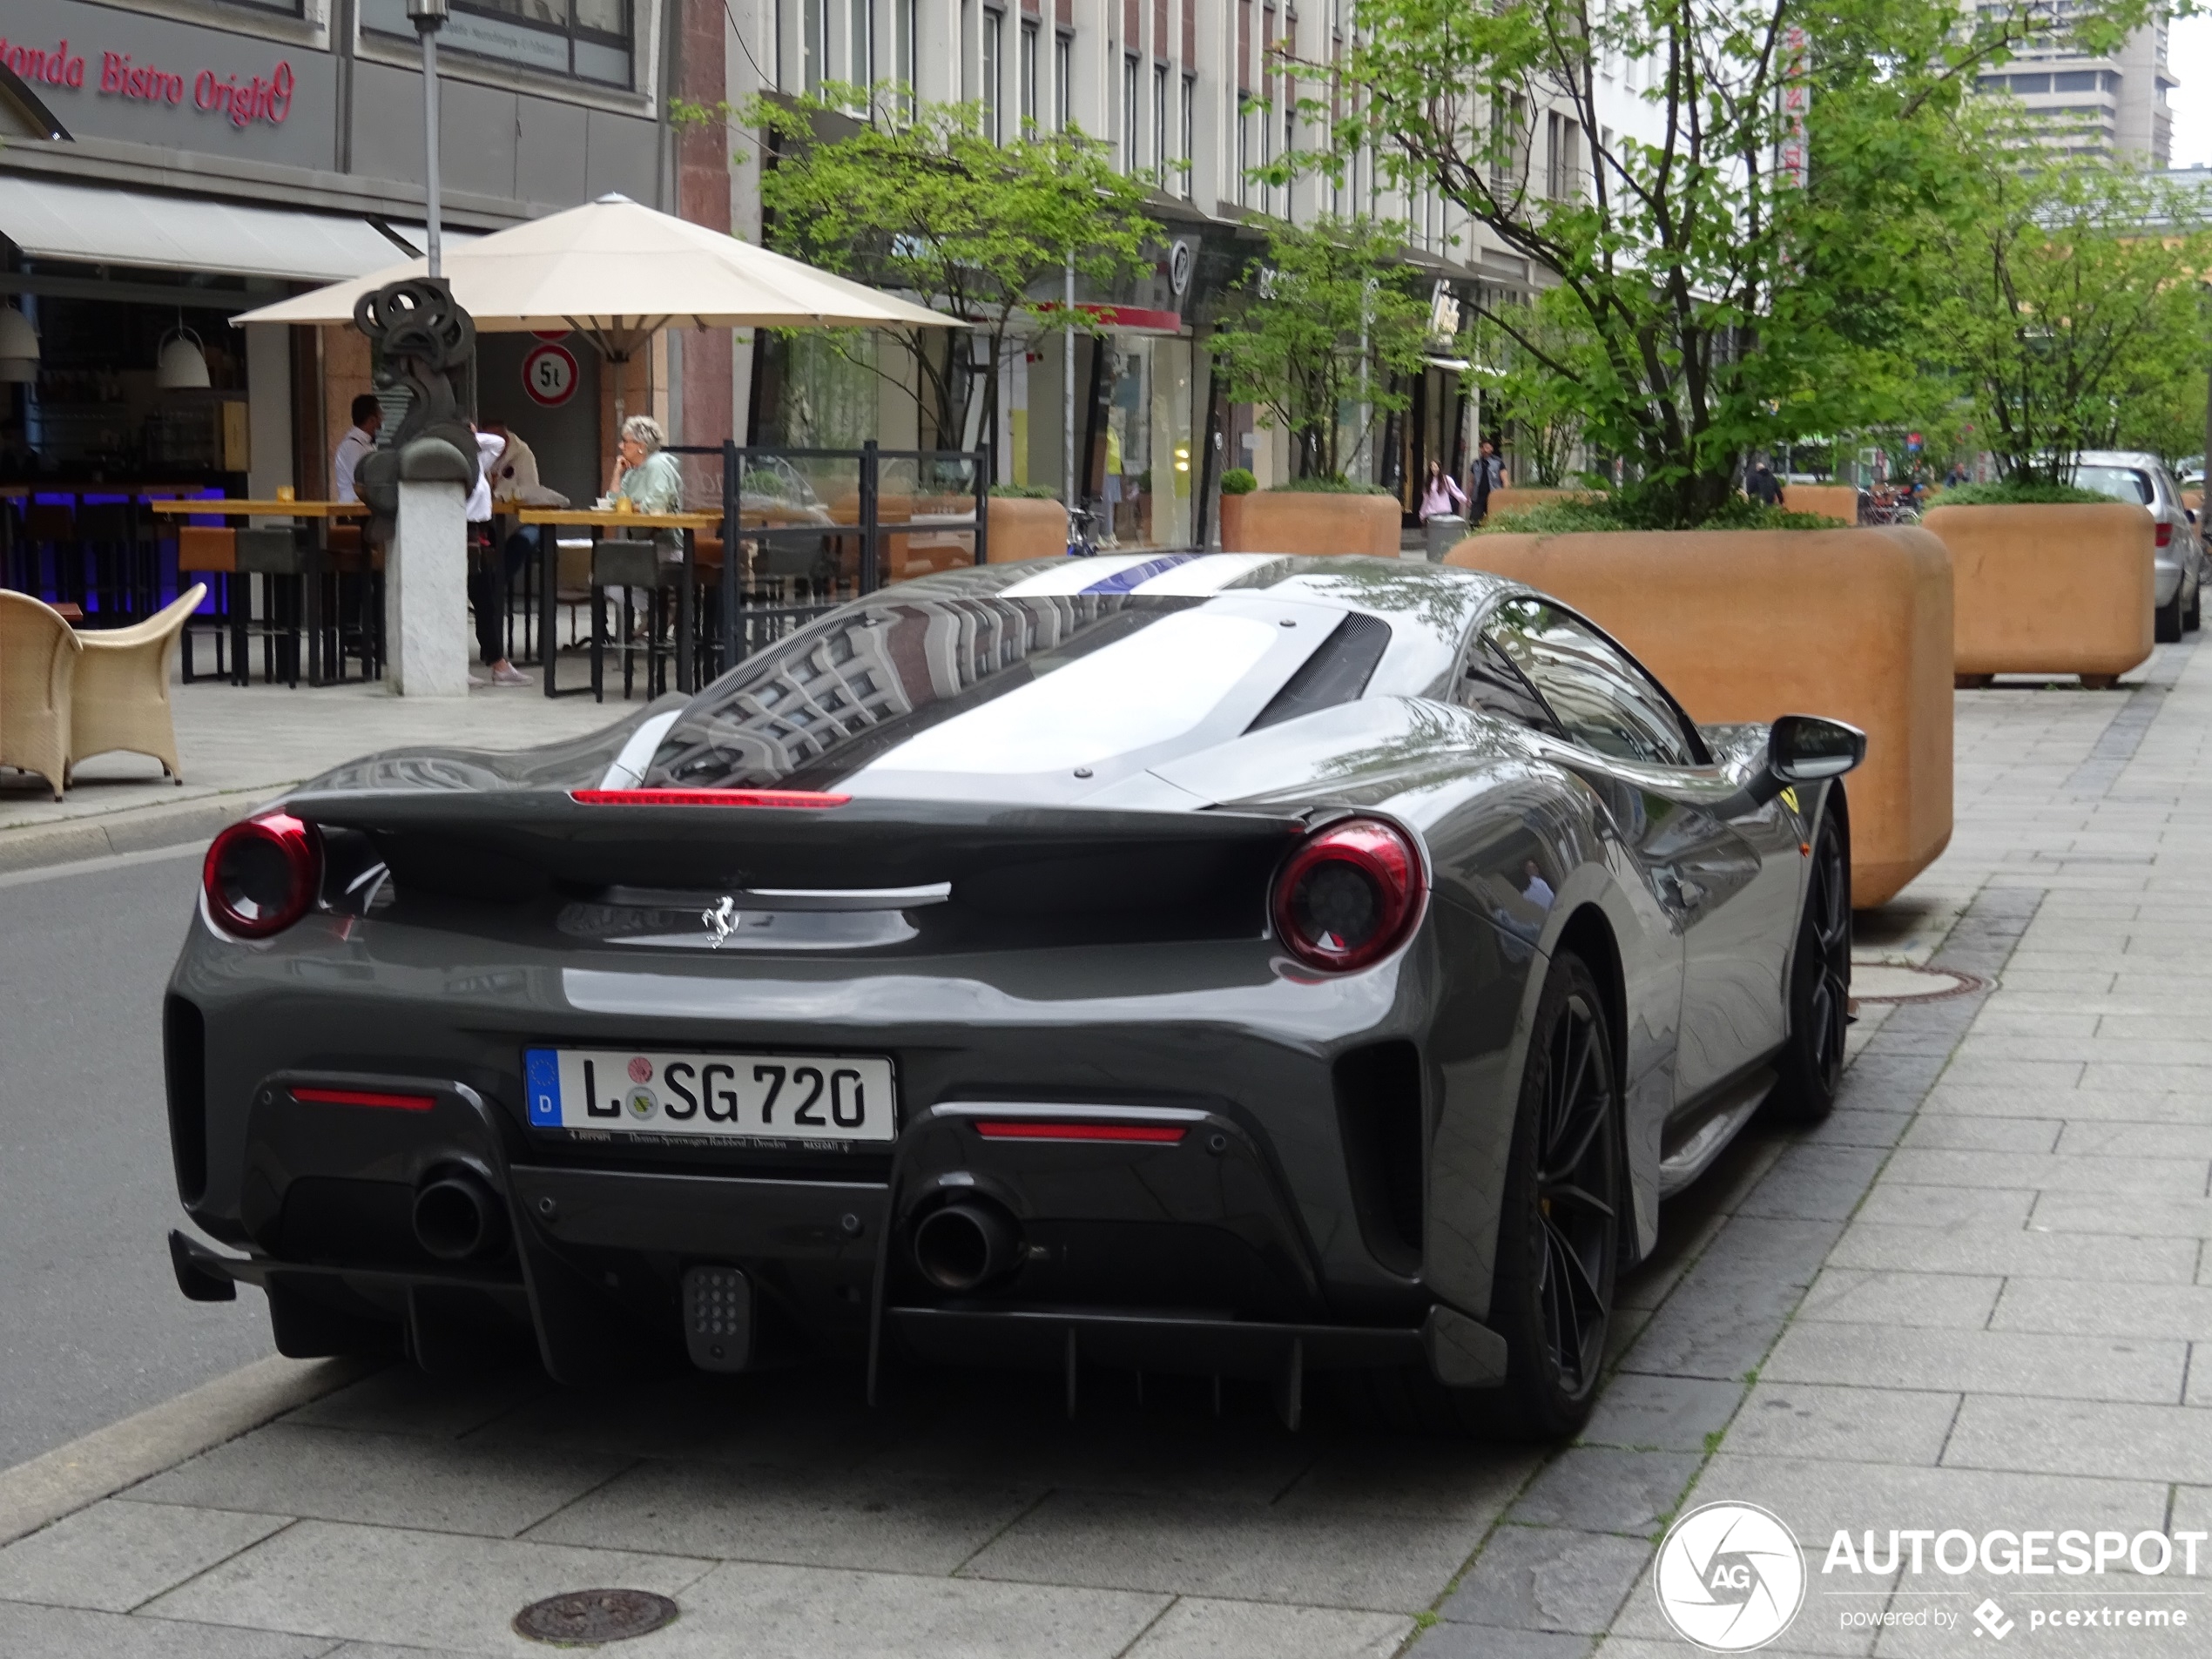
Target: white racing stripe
1179,574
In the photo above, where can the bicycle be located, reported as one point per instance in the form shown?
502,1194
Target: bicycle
1082,533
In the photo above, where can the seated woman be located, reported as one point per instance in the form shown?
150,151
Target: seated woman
645,471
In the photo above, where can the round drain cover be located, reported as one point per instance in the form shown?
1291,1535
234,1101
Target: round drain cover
1901,982
584,1618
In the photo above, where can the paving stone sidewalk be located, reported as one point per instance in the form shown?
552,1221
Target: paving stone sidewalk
1968,1299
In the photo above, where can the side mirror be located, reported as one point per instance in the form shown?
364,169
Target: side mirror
1803,748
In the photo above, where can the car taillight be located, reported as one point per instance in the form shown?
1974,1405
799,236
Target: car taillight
262,875
1349,896
2165,533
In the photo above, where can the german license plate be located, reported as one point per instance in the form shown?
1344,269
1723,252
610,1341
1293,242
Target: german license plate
785,1097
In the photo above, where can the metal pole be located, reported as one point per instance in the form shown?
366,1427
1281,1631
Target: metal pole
428,16
1067,398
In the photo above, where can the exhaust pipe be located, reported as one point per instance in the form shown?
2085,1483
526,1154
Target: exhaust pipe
458,1218
968,1246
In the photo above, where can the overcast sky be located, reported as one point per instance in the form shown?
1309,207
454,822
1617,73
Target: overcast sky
2188,50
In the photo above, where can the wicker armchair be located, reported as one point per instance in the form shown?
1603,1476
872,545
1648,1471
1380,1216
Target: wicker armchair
38,653
122,698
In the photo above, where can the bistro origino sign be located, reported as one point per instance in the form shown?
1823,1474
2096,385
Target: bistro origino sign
258,98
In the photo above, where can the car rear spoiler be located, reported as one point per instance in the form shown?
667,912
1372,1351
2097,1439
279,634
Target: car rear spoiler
504,844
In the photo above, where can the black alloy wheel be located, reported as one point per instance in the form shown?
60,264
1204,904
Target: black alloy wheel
1813,1062
1559,1233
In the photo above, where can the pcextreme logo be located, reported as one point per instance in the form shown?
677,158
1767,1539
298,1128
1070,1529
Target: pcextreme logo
1730,1577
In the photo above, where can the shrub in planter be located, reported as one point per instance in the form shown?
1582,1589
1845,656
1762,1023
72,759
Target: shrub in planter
2047,580
1236,487
1748,624
1315,516
1518,498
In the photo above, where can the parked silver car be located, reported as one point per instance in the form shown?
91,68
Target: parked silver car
2182,569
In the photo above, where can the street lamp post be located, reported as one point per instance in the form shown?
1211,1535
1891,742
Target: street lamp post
428,16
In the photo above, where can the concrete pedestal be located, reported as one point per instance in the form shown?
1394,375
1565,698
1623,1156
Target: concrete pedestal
426,593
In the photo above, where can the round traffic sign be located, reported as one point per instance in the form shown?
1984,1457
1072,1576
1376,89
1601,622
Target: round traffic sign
551,333
549,375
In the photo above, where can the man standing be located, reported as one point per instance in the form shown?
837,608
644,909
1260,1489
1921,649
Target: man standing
1762,486
491,569
360,439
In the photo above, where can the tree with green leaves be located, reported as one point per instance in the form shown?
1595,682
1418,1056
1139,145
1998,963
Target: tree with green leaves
926,204
2076,315
1516,348
1329,322
1736,268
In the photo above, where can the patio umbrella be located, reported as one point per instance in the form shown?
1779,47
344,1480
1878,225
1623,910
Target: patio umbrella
617,272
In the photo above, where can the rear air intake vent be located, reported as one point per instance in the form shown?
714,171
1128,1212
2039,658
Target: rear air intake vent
1379,1111
1337,673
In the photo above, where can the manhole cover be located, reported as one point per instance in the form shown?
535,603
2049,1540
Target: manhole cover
586,1618
1900,982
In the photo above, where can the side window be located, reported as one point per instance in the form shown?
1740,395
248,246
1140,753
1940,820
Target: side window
1603,700
1489,682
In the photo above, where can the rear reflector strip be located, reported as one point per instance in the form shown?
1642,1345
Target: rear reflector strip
365,1097
994,1130
803,798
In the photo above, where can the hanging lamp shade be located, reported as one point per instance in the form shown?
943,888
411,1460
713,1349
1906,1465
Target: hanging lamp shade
19,347
181,364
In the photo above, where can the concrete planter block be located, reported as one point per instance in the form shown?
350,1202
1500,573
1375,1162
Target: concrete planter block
1829,501
1302,521
1518,498
1748,624
1024,527
2052,589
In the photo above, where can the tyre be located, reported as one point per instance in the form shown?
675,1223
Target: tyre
2166,621
1812,1060
2193,618
1559,1237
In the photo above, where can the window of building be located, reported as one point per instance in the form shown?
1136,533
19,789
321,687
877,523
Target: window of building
1128,113
590,39
994,30
1160,151
902,52
2080,80
859,44
1029,71
1189,149
1063,80
813,45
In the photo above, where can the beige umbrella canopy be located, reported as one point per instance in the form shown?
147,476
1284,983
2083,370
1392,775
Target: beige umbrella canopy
617,271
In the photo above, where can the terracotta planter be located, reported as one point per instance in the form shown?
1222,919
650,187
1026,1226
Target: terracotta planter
1232,522
1025,527
1302,521
2055,589
1518,498
1829,501
1748,624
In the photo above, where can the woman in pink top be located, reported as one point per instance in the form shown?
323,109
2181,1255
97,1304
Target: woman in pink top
1443,494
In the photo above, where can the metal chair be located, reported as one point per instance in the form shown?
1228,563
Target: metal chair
280,557
210,551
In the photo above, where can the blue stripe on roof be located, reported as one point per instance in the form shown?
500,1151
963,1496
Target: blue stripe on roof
1133,576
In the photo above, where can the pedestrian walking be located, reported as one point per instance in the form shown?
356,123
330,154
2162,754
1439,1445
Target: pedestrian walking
1441,495
1762,486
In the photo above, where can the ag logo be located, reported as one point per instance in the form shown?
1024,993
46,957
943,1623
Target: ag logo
1730,1577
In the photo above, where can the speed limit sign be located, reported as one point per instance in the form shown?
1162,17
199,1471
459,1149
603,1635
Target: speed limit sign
549,375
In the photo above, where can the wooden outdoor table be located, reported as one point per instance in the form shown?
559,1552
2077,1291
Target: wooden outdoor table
233,507
605,518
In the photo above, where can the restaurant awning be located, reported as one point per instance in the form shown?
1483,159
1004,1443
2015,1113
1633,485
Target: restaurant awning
51,220
618,272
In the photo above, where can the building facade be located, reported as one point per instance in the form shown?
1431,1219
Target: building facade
2115,105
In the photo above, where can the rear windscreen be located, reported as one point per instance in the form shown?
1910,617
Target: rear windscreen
2121,484
872,678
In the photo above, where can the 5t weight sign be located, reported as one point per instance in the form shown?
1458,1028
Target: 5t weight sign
549,375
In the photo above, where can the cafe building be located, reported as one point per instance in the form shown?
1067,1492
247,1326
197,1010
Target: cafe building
166,165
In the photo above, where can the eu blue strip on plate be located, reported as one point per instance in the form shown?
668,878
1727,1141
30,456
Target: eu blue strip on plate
1122,580
542,1071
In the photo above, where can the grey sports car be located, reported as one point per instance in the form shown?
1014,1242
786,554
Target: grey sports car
1227,964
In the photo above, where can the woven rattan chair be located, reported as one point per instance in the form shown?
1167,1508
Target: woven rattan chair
38,653
122,698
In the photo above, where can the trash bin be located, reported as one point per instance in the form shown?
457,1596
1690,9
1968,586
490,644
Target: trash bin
1444,531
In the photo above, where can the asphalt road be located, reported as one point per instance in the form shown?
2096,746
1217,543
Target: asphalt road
91,1327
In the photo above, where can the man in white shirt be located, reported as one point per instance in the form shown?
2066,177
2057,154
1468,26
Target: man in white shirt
491,569
360,439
